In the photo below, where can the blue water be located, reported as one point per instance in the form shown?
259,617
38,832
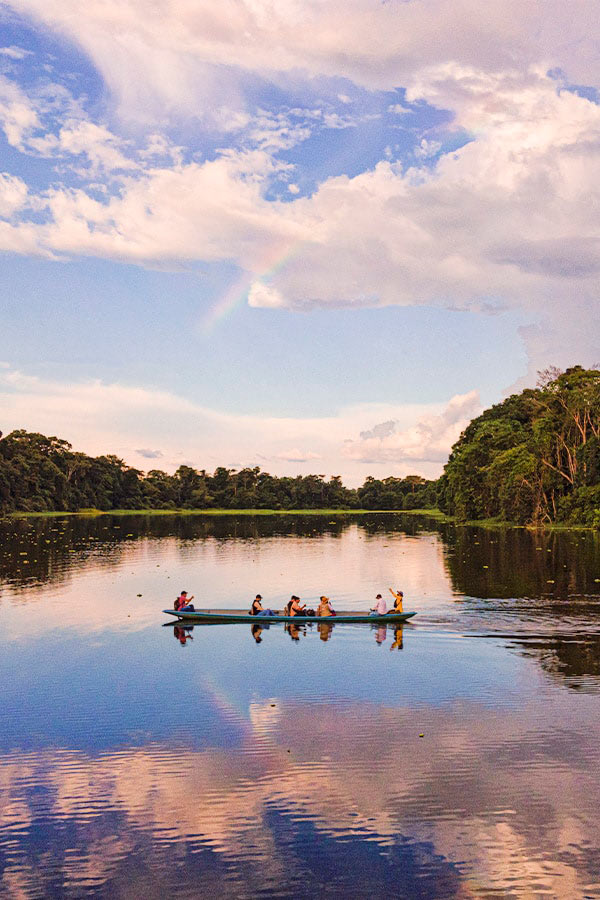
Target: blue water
454,757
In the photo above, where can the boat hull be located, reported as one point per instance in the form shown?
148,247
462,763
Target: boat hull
230,615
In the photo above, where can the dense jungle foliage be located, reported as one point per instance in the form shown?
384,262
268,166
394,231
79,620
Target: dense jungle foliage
39,473
533,458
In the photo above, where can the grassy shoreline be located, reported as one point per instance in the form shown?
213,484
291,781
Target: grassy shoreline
433,513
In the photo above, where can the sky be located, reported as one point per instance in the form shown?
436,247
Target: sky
306,235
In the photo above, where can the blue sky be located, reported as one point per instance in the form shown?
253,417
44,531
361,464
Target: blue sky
262,234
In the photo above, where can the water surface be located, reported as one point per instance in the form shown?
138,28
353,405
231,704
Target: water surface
454,757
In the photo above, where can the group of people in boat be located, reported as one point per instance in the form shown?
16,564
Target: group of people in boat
295,608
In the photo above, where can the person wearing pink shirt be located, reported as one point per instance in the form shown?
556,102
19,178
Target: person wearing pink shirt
182,604
380,607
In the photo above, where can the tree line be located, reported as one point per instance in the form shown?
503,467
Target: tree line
39,473
534,458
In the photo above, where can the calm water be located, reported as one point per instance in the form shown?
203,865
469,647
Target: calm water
456,757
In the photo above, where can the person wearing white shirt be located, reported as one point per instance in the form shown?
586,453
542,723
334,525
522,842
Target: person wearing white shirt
380,607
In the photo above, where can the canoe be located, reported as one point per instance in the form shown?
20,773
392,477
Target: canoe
239,615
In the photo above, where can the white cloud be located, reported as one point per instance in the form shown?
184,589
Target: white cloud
265,296
182,56
145,453
212,211
297,456
81,137
18,115
507,220
13,194
382,430
111,418
390,236
15,52
277,131
429,439
427,149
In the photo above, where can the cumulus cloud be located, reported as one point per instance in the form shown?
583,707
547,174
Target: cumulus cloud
14,52
429,439
13,194
184,56
149,454
506,221
111,418
18,115
383,430
79,137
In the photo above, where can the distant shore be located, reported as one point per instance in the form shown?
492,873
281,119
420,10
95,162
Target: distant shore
432,513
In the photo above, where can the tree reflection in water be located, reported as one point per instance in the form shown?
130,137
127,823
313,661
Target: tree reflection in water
456,768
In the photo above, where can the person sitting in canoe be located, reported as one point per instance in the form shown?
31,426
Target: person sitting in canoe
182,604
380,608
257,608
294,608
325,608
398,598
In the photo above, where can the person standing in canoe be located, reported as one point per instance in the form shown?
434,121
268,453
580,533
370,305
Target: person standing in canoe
380,608
257,608
398,598
182,604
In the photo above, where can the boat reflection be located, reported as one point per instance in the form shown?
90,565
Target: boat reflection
183,633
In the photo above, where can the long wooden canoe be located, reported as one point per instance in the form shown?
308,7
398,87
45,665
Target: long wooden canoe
240,615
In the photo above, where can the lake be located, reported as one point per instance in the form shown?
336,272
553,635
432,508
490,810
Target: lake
457,756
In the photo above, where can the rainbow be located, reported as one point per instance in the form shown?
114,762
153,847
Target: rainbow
237,293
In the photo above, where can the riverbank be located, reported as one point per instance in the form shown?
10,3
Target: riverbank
432,513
